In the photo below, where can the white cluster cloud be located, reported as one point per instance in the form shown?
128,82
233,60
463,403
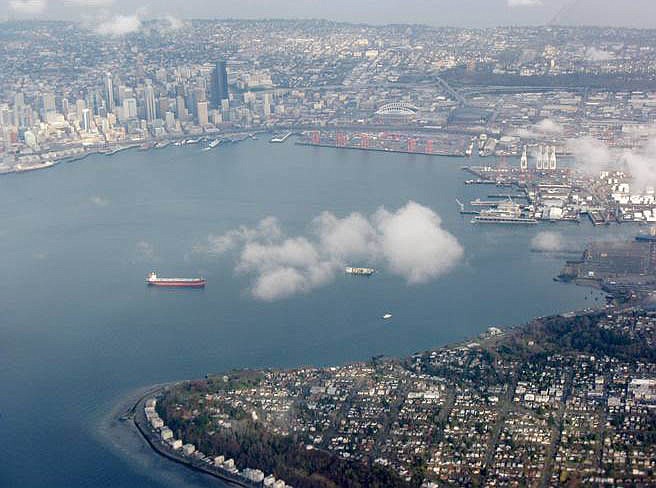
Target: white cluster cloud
547,241
592,155
524,3
641,164
99,201
544,128
548,126
597,55
410,242
97,16
171,22
268,230
28,7
145,251
119,25
414,243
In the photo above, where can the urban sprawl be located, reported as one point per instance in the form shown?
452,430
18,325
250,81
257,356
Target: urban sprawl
564,401
524,95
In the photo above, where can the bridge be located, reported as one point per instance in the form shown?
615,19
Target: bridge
451,91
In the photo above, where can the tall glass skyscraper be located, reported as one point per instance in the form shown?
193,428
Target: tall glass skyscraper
109,93
219,84
149,94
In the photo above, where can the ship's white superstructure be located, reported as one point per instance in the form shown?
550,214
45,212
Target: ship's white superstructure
359,271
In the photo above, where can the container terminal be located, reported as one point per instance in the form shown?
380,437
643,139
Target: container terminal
545,192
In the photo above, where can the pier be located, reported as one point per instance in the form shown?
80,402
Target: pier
281,139
384,141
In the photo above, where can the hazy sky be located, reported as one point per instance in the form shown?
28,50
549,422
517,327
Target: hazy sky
634,13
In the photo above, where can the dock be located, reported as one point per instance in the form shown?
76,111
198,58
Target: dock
281,139
506,196
484,203
597,218
480,182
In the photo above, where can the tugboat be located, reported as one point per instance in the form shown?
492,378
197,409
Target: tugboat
154,280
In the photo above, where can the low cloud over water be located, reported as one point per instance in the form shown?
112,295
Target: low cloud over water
409,242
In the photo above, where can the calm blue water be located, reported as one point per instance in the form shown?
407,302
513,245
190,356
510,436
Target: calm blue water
79,329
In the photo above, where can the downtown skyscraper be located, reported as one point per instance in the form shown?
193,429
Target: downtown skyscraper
219,88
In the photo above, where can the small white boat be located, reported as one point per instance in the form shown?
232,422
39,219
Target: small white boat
387,316
359,271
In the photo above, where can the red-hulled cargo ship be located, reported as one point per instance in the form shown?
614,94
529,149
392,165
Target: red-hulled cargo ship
154,280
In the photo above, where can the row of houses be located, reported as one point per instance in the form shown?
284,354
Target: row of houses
251,476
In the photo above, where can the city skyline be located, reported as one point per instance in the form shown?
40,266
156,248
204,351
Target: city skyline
99,13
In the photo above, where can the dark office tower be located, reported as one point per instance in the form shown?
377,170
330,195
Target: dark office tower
219,84
109,93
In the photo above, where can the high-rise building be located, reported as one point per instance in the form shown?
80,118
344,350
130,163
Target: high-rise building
219,84
266,105
6,138
149,96
30,139
180,108
19,100
80,105
203,115
109,93
86,121
129,108
49,102
6,117
65,106
217,118
169,120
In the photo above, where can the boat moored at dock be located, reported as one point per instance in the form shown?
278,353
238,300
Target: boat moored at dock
504,213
